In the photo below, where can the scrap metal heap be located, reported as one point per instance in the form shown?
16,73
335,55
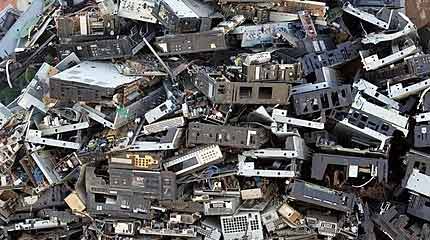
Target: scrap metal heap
217,119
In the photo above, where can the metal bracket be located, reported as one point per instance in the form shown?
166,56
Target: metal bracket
65,128
397,91
35,136
347,7
423,117
168,142
280,116
320,162
390,116
366,131
275,153
422,136
419,183
238,137
373,62
191,42
94,114
371,90
300,190
323,99
376,38
248,168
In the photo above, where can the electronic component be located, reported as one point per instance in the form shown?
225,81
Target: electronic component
230,25
408,28
242,225
281,167
377,3
250,93
221,206
398,91
417,66
324,224
323,99
214,120
226,92
160,111
421,135
349,8
254,193
354,165
271,219
32,96
419,206
135,161
210,230
141,106
188,232
418,182
5,115
185,15
124,46
250,11
128,192
194,160
291,6
342,54
8,16
170,141
314,8
137,10
254,35
368,89
395,225
308,24
280,117
321,196
416,160
95,115
372,62
33,224
163,125
289,73
247,93
191,43
309,87
360,132
155,185
124,228
10,40
290,214
237,137
377,117
87,26
83,83
183,218
182,206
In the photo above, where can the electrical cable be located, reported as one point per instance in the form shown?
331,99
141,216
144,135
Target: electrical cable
364,184
7,73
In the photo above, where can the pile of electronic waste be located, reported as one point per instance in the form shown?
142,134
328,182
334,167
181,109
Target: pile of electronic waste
214,119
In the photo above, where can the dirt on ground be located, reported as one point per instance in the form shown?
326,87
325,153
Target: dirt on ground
418,11
4,3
